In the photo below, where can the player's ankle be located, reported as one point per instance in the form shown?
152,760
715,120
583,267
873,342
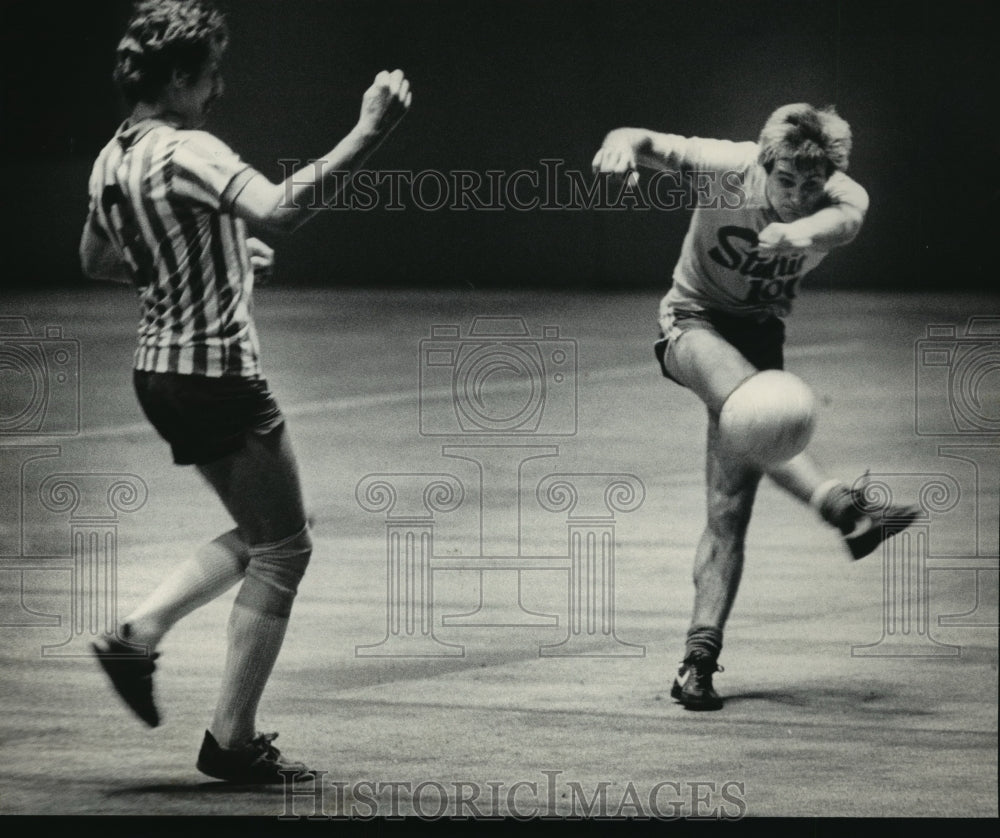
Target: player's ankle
703,642
229,738
835,504
142,632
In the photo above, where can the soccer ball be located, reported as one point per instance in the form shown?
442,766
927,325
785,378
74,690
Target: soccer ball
768,419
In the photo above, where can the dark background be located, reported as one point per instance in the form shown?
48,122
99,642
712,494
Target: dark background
503,84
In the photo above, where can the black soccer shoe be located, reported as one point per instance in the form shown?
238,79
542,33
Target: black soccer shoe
872,526
693,684
131,673
257,763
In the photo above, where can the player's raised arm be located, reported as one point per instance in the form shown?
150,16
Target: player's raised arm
624,149
285,206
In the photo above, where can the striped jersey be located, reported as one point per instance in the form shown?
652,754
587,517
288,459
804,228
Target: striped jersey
720,267
163,197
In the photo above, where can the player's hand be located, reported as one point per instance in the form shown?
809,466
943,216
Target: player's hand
261,258
385,103
781,236
618,160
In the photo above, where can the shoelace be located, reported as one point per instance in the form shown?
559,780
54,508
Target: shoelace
268,753
688,667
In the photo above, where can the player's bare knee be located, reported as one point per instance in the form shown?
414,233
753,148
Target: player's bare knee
274,573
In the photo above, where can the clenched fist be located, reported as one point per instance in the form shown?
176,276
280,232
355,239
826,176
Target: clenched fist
385,103
261,258
781,236
616,158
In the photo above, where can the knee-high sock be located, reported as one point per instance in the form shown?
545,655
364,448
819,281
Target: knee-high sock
255,639
257,627
211,572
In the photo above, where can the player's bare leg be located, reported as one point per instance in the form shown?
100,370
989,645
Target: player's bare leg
712,368
718,566
708,366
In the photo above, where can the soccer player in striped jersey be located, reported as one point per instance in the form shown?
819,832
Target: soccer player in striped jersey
768,213
169,208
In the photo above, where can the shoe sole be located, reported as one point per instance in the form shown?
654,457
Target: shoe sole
107,664
235,779
677,693
865,546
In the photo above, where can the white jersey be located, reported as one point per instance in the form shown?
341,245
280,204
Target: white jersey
720,266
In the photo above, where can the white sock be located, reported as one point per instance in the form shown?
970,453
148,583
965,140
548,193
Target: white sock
821,492
215,569
255,638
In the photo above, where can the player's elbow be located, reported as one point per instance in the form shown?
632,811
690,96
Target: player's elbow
100,265
90,265
270,208
854,218
842,225
282,221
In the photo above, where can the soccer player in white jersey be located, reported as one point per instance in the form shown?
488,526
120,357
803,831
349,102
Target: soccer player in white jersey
169,206
769,213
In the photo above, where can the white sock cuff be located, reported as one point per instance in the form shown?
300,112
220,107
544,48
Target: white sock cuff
820,493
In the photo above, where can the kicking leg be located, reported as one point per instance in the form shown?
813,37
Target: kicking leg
863,529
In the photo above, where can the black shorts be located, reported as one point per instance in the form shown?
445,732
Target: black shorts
762,343
205,419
